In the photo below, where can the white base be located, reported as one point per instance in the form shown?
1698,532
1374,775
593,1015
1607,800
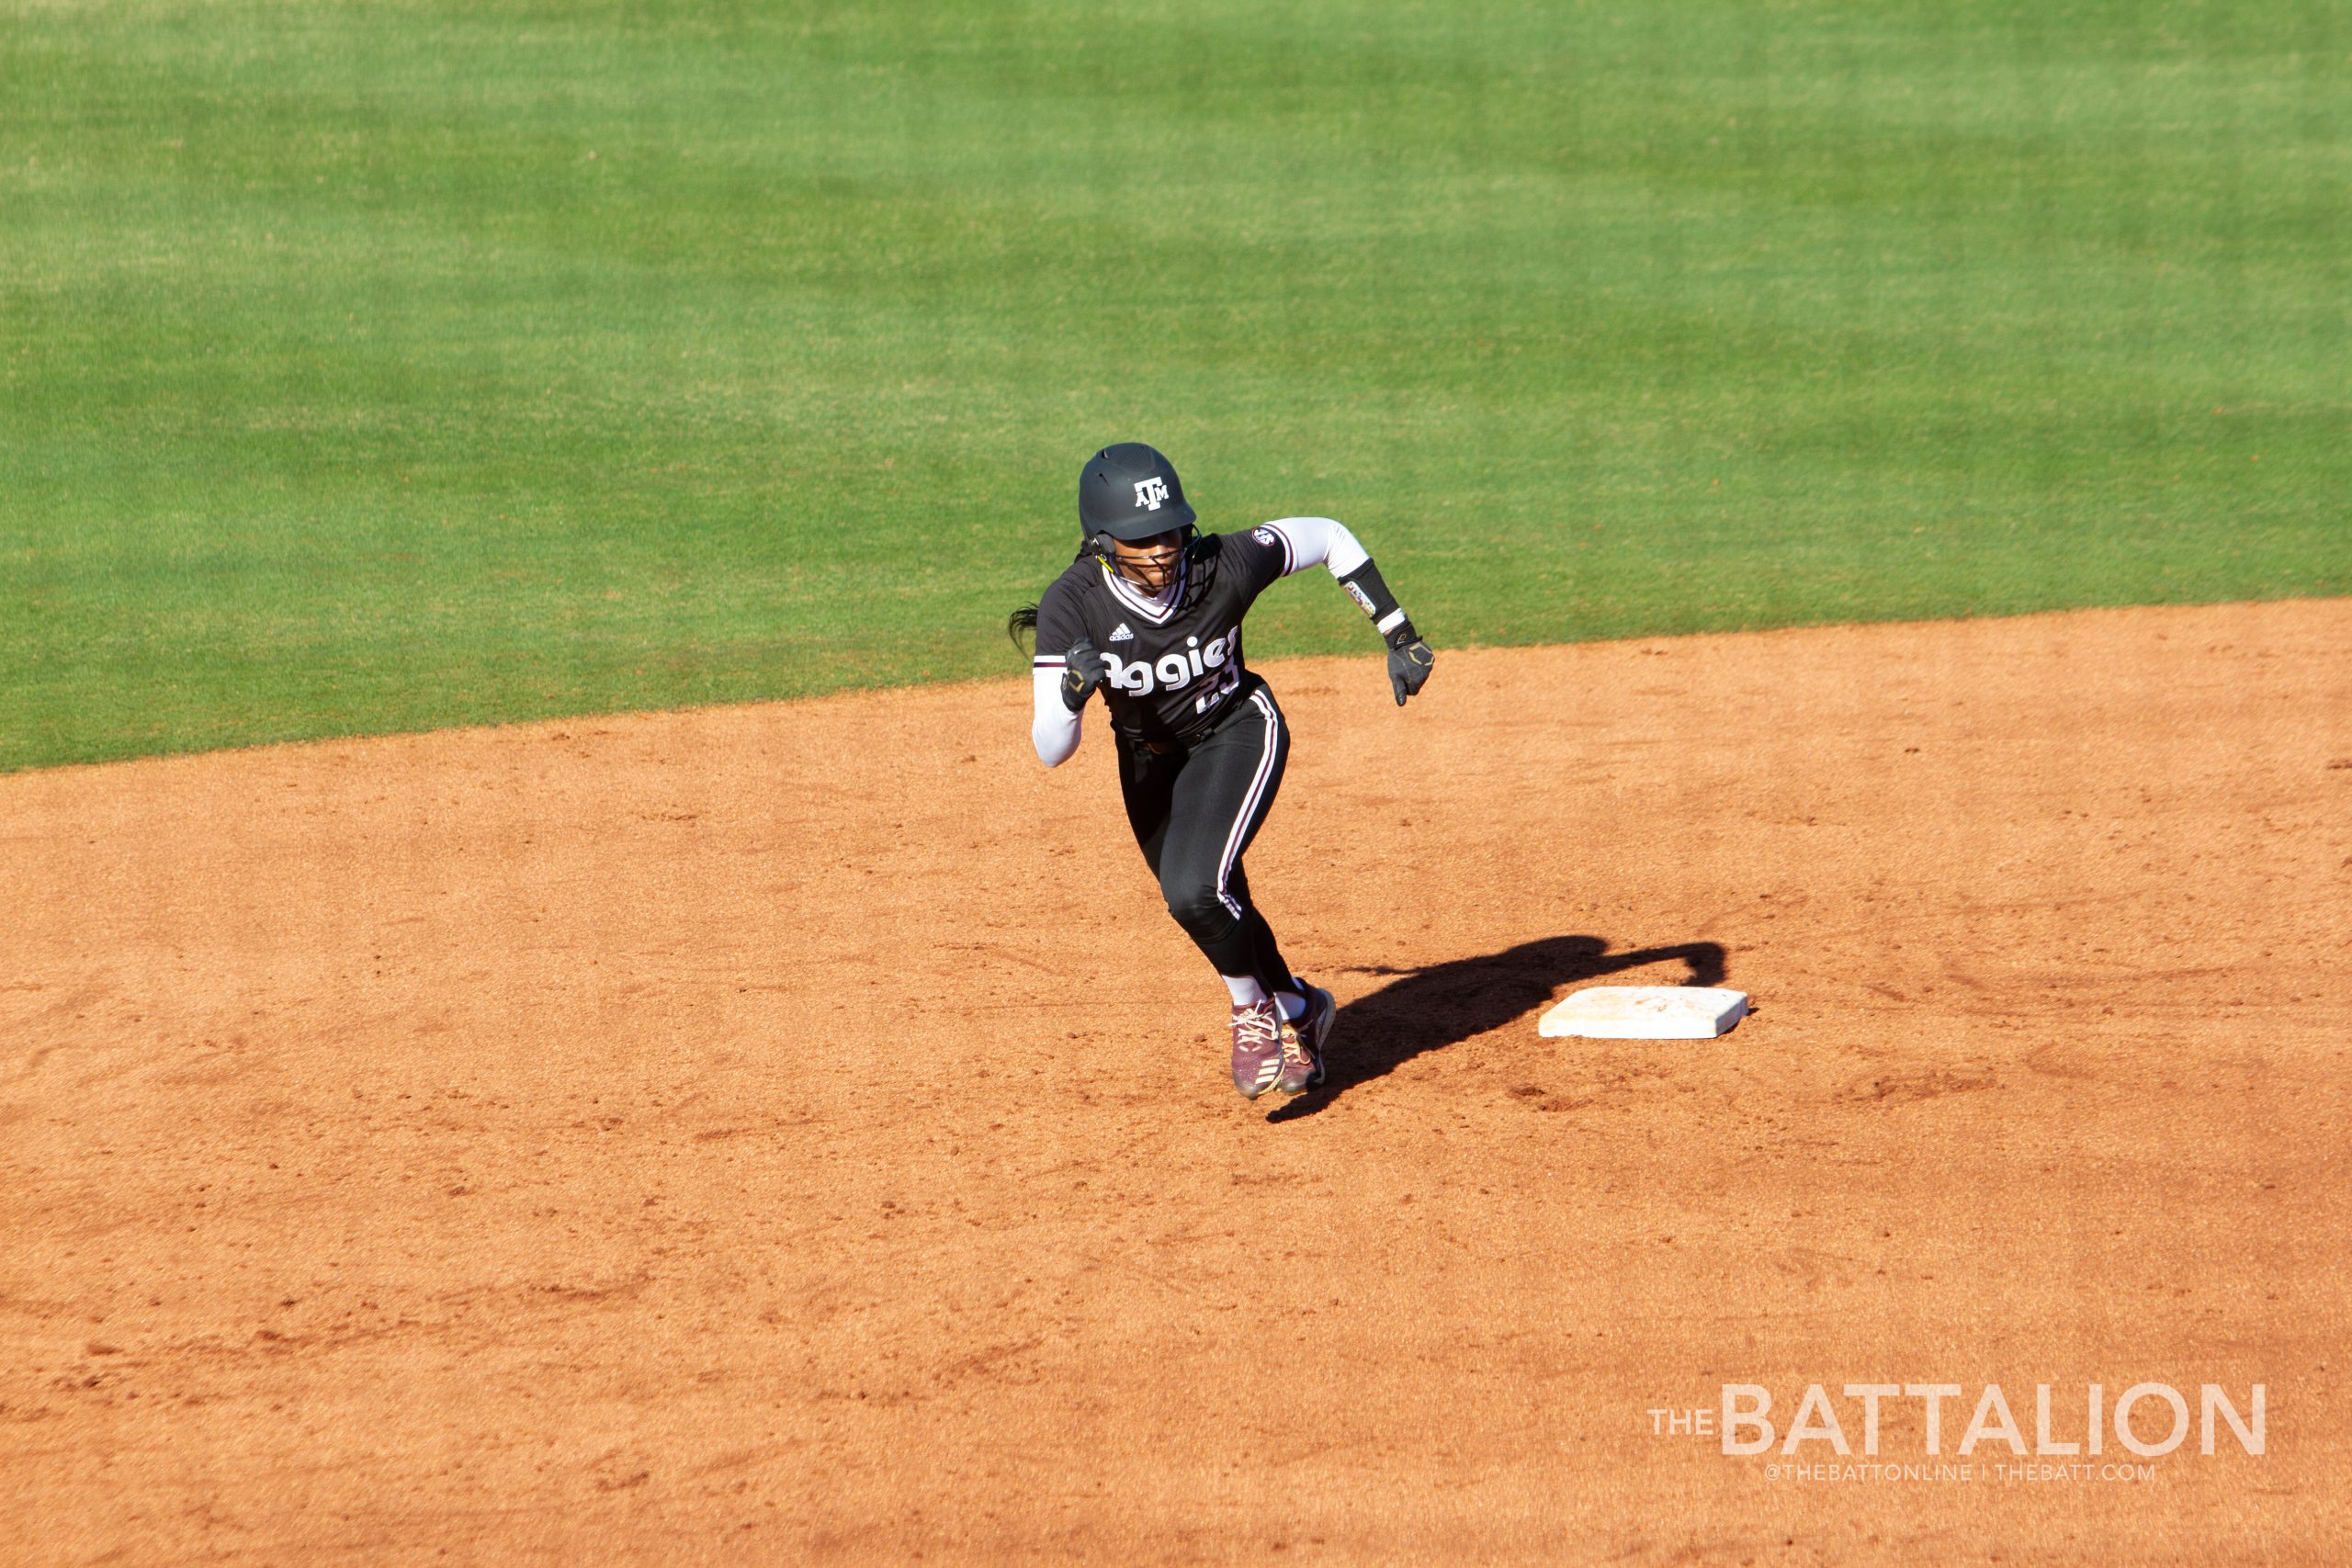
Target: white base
1647,1012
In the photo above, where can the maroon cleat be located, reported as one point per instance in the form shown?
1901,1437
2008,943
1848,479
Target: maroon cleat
1302,1066
1260,1038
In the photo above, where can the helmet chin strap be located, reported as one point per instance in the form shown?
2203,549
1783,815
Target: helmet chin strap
1173,559
1161,590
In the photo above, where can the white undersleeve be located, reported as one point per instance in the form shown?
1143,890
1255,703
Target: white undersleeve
1319,541
1053,728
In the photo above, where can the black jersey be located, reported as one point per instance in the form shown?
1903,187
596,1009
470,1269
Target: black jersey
1170,665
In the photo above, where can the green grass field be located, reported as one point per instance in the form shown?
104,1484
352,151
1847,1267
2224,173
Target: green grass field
386,365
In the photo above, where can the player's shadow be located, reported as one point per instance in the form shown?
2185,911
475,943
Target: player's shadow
1429,1009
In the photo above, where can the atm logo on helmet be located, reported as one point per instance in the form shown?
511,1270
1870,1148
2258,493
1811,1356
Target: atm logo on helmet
1171,671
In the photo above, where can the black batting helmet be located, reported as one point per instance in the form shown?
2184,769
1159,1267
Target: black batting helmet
1130,493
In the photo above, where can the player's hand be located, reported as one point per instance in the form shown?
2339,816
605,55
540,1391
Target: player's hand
1081,674
1410,661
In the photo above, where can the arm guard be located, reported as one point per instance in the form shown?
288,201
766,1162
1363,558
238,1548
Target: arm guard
1379,606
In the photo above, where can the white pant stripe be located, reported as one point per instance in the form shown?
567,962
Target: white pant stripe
1249,804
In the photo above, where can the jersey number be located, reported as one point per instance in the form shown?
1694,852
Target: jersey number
1225,682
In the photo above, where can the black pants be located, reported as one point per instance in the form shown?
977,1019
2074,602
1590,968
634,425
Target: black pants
1194,811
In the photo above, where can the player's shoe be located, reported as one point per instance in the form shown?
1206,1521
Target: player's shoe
1303,1043
1258,1037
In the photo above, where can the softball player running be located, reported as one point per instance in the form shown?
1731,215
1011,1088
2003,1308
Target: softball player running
1151,613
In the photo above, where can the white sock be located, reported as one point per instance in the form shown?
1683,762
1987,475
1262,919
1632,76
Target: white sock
1247,992
1293,1006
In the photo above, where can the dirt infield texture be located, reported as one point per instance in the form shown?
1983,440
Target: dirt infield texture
797,1132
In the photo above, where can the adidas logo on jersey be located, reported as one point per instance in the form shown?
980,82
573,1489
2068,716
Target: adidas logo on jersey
1124,634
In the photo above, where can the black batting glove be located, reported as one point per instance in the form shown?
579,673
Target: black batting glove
1410,660
1082,674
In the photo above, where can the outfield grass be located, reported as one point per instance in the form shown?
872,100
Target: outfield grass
384,366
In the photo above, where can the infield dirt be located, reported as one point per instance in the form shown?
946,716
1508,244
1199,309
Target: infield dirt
797,1132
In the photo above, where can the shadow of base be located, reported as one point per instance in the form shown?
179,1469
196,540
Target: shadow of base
1429,1009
